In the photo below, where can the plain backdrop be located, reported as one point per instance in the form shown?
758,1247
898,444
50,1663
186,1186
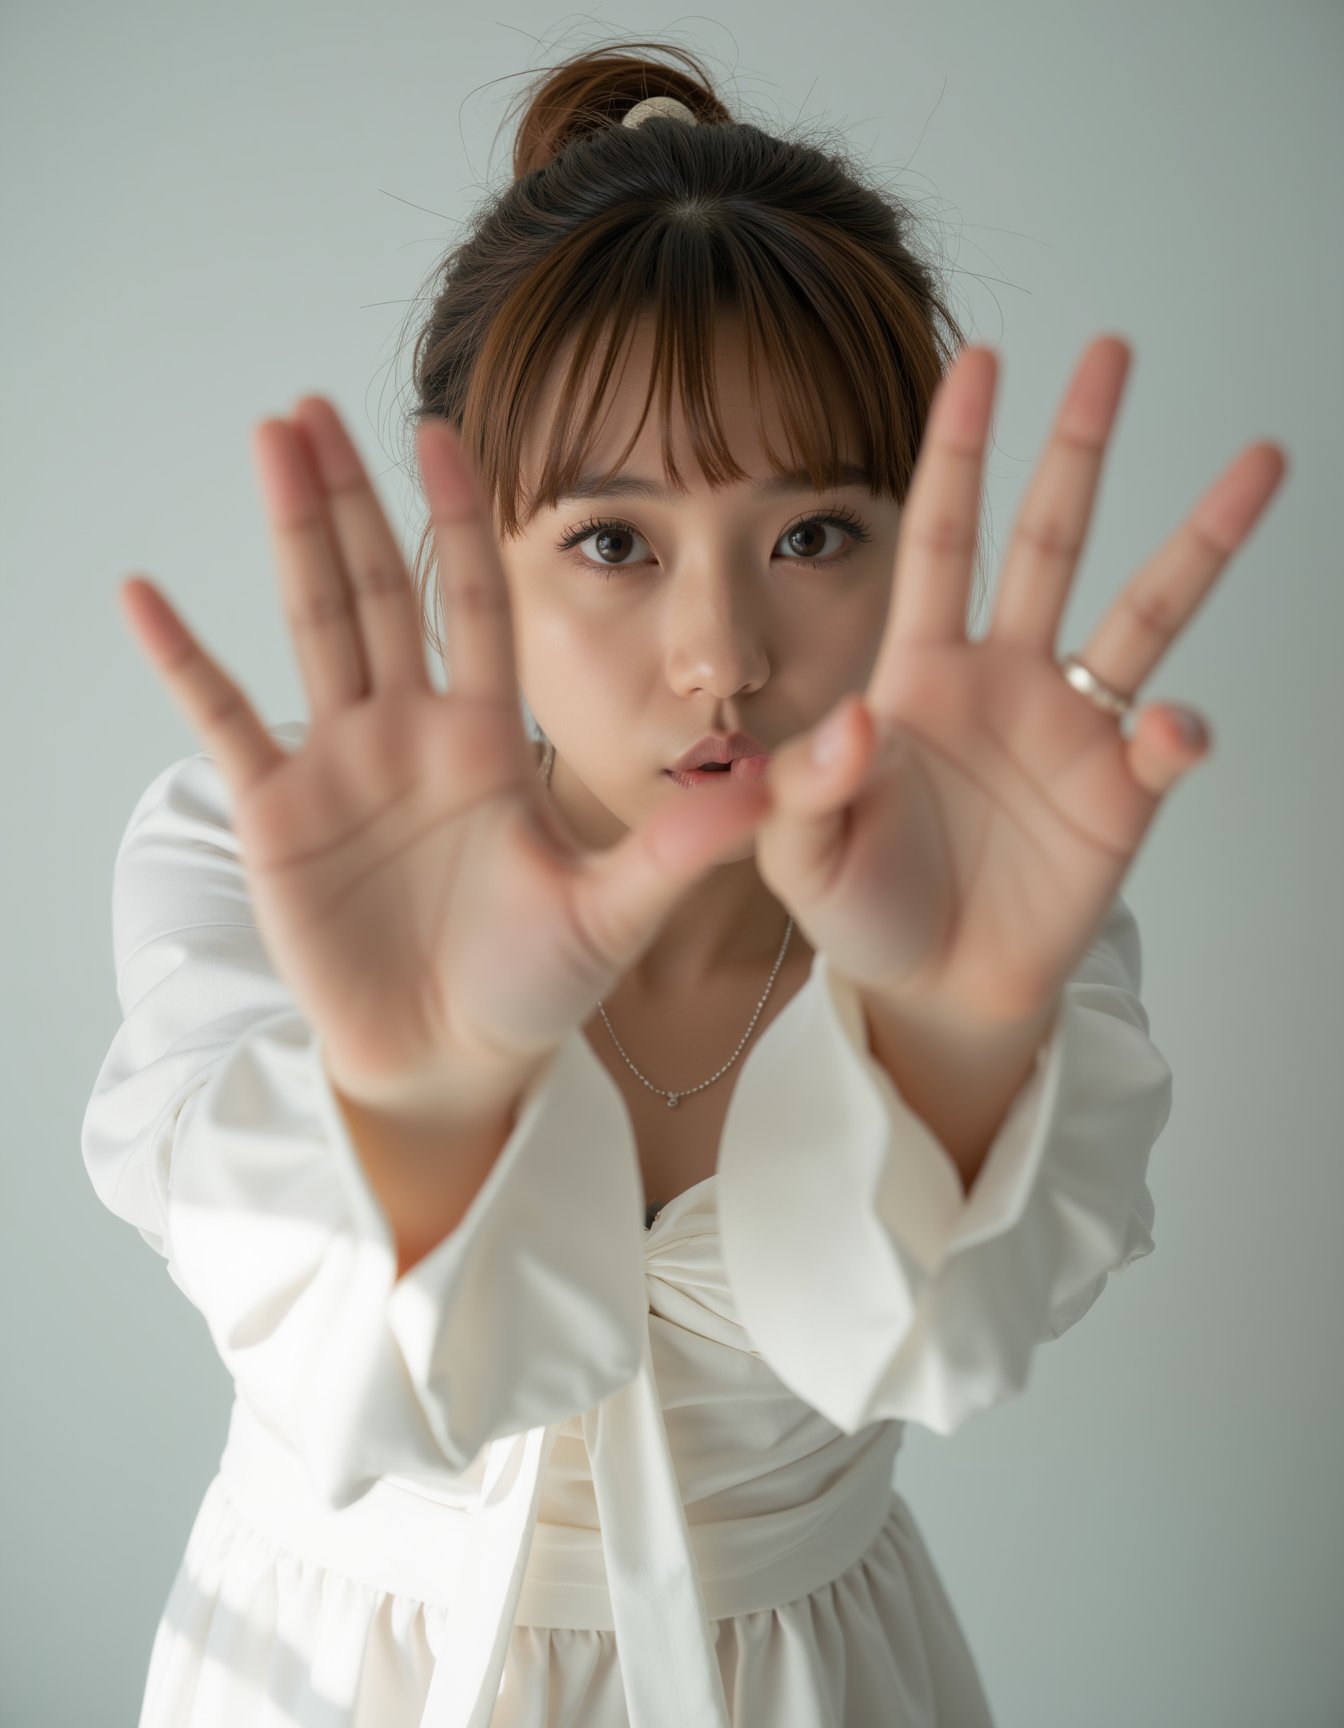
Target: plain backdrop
209,212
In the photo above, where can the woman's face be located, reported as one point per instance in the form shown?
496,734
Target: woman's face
676,615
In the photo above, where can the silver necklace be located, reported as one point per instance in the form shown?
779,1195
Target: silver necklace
675,1098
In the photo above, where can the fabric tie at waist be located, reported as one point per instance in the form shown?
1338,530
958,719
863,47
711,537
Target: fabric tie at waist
646,1574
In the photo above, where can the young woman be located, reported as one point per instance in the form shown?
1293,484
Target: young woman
586,1161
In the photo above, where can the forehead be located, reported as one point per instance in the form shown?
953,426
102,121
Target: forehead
749,410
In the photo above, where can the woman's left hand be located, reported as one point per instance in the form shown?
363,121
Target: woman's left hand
962,848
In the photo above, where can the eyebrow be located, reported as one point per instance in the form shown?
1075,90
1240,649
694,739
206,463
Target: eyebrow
637,486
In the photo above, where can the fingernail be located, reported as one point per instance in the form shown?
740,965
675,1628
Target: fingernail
830,740
1191,728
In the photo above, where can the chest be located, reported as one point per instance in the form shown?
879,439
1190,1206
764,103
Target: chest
682,1044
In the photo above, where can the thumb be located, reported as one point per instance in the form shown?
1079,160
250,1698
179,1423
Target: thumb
622,896
813,780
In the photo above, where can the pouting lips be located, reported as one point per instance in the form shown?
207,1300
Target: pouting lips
741,768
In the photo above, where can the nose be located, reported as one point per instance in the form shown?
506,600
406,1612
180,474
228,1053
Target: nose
715,639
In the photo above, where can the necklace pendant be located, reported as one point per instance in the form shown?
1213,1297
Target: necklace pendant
673,1101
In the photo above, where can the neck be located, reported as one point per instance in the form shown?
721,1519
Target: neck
729,925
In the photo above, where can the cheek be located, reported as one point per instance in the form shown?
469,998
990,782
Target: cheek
834,649
573,665
852,648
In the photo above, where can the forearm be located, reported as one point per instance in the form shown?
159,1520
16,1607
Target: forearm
426,1167
960,1081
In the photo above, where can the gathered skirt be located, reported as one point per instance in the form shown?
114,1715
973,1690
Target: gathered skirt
251,1633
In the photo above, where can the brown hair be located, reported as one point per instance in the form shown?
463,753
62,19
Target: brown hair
604,223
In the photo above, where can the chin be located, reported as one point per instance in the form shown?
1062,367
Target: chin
745,848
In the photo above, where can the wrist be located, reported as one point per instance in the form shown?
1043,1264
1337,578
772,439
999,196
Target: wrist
454,1099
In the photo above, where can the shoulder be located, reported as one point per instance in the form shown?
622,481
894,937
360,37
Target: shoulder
190,793
178,864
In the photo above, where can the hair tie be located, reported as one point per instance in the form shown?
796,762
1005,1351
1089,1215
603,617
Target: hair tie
651,105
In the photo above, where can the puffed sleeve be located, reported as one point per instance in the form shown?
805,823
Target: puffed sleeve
870,1281
213,1129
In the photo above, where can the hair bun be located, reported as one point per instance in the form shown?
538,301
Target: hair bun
603,87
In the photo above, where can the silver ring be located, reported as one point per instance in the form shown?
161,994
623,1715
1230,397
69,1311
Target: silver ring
1088,684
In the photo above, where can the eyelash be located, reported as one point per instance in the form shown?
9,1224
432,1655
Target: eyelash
839,517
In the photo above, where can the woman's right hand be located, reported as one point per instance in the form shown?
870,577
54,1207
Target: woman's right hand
439,929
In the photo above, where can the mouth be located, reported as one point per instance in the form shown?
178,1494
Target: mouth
742,768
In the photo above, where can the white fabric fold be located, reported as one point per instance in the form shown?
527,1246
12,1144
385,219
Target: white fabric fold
530,1311
657,1601
467,1678
866,1277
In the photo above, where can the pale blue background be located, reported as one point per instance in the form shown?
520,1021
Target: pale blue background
210,211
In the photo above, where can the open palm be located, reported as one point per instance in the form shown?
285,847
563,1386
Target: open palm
964,844
413,888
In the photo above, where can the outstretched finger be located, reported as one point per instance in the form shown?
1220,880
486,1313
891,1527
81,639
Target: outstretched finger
478,618
935,547
216,708
1158,603
362,554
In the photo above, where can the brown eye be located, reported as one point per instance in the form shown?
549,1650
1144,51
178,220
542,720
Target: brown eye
611,545
808,539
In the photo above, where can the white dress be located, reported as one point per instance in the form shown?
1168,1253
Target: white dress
568,1469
